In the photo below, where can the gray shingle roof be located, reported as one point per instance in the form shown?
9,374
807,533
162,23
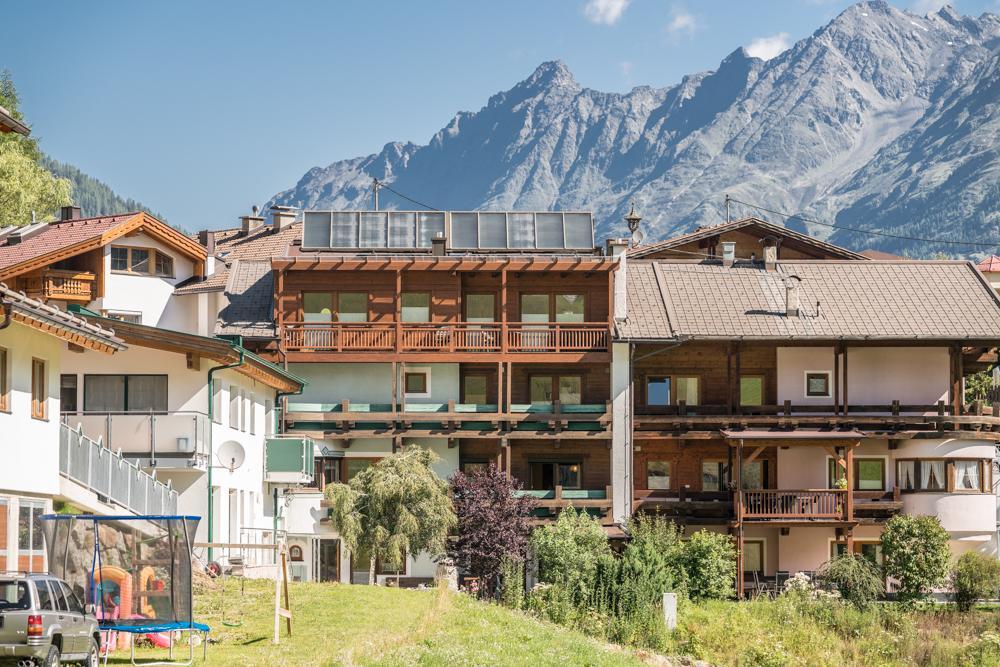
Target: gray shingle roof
857,300
250,289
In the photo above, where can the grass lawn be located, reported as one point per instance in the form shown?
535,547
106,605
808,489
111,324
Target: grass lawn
337,624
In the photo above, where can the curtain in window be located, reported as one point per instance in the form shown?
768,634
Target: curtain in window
147,393
932,475
104,393
967,476
907,478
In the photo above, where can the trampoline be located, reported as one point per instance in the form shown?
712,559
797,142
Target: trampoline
136,571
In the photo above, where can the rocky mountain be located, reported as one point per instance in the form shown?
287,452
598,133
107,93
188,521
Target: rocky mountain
881,120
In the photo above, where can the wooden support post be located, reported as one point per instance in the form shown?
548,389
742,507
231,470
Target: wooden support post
505,443
397,304
836,378
504,342
729,378
849,538
846,403
500,406
395,388
510,381
849,500
957,400
739,562
734,387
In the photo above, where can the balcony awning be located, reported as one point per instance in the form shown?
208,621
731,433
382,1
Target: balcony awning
794,434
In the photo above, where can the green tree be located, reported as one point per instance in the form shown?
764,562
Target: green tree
975,577
25,185
568,552
397,506
858,579
710,565
916,553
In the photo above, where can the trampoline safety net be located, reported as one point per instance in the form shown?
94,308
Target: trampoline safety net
136,571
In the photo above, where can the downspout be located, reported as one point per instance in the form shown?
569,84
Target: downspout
211,421
8,308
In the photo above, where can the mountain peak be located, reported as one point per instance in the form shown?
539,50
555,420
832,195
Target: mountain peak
550,74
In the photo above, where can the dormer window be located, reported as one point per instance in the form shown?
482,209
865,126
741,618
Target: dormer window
141,261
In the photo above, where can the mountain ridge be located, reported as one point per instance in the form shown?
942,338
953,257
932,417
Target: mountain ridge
810,131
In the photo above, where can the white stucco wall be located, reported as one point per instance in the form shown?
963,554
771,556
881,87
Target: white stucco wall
30,459
371,382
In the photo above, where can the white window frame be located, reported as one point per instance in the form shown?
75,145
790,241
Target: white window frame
829,384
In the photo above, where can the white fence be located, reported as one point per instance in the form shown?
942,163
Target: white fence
109,474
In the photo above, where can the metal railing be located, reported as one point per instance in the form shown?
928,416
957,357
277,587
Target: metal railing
184,434
108,474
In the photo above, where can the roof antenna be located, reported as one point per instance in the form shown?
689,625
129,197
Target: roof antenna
728,219
375,186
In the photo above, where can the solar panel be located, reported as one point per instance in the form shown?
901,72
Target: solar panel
464,230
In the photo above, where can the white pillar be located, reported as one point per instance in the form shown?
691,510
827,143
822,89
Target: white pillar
621,432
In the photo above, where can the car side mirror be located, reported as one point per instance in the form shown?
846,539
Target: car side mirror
89,609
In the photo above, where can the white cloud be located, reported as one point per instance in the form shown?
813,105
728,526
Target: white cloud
626,67
605,12
768,47
682,23
922,7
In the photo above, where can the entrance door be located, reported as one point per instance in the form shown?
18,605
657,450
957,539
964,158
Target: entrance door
329,560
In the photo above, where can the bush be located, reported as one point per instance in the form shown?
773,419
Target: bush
916,554
975,577
857,578
512,582
568,552
709,565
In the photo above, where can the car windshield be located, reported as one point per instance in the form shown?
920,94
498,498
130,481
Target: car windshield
14,595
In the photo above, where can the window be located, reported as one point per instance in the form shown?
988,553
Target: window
217,402
544,308
39,389
44,595
712,475
943,476
818,384
317,307
119,259
352,307
657,474
327,471
870,550
932,476
480,308
753,556
535,308
29,527
869,474
4,380
754,475
416,307
751,390
164,265
14,595
968,476
549,475
353,466
68,393
474,389
138,260
657,391
335,306
125,393
569,308
540,389
567,389
417,383
71,600
686,389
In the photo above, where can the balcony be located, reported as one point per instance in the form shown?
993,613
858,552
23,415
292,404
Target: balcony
289,460
165,440
60,284
794,505
550,502
451,338
109,475
460,419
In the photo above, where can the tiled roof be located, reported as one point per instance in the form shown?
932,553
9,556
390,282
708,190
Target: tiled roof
55,236
857,300
880,254
989,265
712,230
250,290
43,313
260,243
213,283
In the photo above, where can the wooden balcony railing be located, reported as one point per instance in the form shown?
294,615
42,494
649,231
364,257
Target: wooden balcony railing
60,284
549,503
794,504
459,337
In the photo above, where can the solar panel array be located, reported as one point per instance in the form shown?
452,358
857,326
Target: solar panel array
464,230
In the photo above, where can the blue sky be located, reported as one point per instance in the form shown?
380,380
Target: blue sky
200,109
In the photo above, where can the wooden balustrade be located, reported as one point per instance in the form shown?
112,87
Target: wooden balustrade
794,504
60,284
444,337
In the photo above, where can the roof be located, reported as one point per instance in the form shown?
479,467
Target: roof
10,124
59,323
196,285
250,291
880,254
763,225
872,300
989,265
62,239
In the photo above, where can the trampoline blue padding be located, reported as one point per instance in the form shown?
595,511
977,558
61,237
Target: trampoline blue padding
148,628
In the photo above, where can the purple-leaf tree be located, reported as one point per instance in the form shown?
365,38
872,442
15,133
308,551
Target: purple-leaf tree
494,522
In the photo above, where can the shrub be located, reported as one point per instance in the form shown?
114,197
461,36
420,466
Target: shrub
857,578
709,565
512,582
975,577
494,523
568,552
916,554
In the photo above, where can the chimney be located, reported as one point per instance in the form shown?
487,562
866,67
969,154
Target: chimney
792,296
69,213
251,222
281,217
617,248
437,245
770,244
206,237
728,253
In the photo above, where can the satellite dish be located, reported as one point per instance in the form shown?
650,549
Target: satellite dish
637,237
231,455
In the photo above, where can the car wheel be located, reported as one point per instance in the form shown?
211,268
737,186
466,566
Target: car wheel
52,659
93,655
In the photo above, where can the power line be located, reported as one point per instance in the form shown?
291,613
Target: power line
382,184
790,216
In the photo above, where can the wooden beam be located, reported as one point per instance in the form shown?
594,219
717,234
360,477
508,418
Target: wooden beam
193,361
846,403
754,455
849,509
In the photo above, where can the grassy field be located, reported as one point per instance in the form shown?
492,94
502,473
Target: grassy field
366,625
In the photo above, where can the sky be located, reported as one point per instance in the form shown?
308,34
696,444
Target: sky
202,109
